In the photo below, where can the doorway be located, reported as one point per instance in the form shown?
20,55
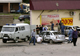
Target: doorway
1,8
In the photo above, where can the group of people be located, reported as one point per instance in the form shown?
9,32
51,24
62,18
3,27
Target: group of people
73,34
41,28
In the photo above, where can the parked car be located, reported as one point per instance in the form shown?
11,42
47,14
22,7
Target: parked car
73,27
52,36
23,17
13,11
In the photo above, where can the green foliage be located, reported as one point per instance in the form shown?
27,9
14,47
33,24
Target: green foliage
26,1
27,21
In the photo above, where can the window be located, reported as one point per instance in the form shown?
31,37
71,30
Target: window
19,28
55,33
8,29
51,33
16,29
47,33
42,33
22,28
11,6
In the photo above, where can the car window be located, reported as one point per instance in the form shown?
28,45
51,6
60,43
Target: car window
42,33
22,16
75,27
47,33
56,33
67,27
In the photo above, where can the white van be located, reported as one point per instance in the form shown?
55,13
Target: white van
16,31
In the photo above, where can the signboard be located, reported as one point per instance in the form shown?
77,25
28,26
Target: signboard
67,21
46,19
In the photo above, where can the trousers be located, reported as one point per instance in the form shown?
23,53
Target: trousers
74,41
32,39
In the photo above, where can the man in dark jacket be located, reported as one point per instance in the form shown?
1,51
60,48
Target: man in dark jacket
74,36
52,25
62,29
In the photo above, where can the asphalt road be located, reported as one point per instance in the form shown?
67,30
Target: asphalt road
45,49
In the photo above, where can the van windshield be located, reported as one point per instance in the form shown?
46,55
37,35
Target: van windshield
8,29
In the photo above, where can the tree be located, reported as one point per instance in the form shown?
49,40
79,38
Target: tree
26,1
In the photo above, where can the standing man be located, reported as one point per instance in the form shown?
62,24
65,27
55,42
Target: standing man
40,28
74,36
33,37
62,28
43,28
60,24
70,35
52,25
37,29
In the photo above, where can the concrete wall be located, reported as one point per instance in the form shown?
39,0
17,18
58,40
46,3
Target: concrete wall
62,14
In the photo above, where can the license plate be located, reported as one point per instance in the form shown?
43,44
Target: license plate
5,37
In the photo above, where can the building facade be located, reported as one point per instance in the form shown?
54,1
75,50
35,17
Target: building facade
44,11
7,5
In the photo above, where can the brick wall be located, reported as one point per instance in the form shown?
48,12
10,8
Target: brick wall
16,6
4,19
5,7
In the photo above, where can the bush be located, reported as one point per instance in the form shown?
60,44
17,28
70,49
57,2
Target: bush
27,21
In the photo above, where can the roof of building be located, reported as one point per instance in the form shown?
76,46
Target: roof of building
10,1
54,4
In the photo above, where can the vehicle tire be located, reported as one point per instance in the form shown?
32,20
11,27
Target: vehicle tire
20,20
4,40
50,41
16,41
26,39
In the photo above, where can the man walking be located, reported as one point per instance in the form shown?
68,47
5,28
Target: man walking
33,37
74,36
52,25
62,29
70,35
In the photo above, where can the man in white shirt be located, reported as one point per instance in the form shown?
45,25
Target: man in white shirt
39,39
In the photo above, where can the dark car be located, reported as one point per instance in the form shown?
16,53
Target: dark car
23,17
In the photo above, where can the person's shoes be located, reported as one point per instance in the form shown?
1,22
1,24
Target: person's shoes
68,42
75,45
71,41
34,44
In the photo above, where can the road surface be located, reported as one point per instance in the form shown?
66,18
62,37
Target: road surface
45,49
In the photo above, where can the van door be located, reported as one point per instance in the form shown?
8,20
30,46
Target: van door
17,33
23,32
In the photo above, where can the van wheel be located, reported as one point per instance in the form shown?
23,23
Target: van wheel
4,40
26,39
16,41
50,41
